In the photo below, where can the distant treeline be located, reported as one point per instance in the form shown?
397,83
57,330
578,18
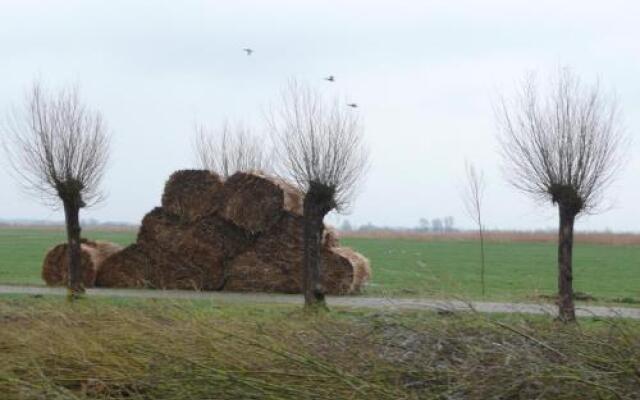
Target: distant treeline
436,225
447,225
89,223
532,236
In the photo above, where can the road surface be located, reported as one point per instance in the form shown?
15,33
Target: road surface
334,301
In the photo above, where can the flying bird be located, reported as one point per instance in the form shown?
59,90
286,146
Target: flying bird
248,51
352,105
330,78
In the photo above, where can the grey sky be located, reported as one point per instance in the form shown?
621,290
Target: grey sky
424,73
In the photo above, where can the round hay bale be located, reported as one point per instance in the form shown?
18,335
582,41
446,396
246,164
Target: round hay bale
337,272
124,269
330,237
161,231
101,250
55,267
275,263
191,194
165,239
252,202
361,268
250,273
189,255
215,232
293,196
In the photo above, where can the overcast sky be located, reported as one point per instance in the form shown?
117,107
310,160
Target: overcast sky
425,74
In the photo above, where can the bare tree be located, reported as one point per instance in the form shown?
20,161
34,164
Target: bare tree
564,147
473,197
321,148
228,150
58,149
448,223
437,225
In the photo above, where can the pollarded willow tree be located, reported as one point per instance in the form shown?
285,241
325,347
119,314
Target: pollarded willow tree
563,146
320,146
228,149
58,149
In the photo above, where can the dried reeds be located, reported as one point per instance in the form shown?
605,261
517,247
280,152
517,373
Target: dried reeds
180,350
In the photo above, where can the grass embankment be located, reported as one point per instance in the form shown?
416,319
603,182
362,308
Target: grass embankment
522,269
138,349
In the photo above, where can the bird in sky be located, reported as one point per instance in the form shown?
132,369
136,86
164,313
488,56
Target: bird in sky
352,105
248,51
330,78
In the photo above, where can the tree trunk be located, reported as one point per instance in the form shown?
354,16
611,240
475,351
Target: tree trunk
566,308
72,220
482,259
312,285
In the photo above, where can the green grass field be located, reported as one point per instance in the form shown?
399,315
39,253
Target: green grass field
22,250
514,270
409,268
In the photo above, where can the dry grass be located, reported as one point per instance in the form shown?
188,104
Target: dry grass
171,350
622,239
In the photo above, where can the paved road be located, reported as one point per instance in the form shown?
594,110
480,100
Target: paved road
344,301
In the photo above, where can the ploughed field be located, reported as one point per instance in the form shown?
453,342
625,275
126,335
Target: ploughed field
411,267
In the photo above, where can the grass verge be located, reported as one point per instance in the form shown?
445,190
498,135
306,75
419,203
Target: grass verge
145,349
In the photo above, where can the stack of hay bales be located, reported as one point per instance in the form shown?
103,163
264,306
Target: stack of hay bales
242,234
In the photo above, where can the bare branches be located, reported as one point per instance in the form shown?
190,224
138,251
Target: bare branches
229,150
58,147
472,198
319,144
474,193
564,147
